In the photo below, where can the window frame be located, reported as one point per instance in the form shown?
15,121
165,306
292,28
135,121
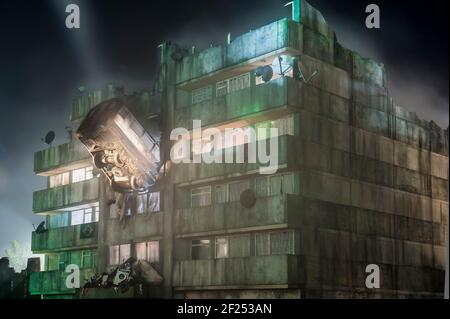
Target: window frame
119,254
192,245
201,193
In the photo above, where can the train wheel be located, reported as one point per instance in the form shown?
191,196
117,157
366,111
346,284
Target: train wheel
98,160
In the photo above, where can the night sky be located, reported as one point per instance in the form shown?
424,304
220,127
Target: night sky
42,64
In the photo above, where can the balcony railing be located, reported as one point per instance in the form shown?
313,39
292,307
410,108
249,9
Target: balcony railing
239,104
54,282
65,196
287,157
238,272
276,36
82,104
57,156
142,104
271,210
79,236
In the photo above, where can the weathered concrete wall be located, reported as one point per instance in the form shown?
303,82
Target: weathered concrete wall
59,156
63,238
64,196
238,272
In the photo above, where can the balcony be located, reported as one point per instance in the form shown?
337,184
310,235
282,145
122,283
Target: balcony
142,103
288,157
274,38
82,104
238,273
64,196
271,210
54,282
64,238
255,100
55,157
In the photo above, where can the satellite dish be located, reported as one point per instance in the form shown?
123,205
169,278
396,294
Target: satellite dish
49,138
265,72
248,198
282,64
41,228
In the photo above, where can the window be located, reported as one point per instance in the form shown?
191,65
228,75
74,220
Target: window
88,258
221,194
201,196
119,253
148,251
141,203
52,262
202,94
275,243
82,174
233,246
58,180
58,220
281,242
234,84
222,247
200,249
85,215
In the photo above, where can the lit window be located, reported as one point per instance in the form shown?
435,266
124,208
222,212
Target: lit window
119,254
141,203
78,175
200,249
201,196
85,215
89,173
97,213
77,217
148,251
233,84
59,180
82,174
233,246
222,247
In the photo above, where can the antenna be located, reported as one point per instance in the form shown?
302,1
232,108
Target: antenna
299,73
282,64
